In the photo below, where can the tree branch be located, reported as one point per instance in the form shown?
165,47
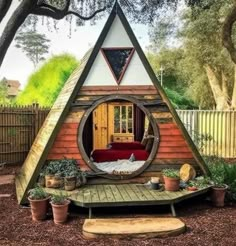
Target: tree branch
227,33
4,7
86,17
58,14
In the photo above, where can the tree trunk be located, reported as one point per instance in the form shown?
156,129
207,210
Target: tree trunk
4,7
219,96
15,21
224,85
233,102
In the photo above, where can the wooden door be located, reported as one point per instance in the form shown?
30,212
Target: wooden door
100,127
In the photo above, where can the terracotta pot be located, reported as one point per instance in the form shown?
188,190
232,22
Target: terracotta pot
192,188
218,196
60,212
69,183
171,184
39,208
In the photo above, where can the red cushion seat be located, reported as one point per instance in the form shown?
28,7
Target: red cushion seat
102,155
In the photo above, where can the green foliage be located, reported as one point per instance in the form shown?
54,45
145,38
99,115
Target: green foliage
58,199
171,173
62,168
33,44
216,168
200,182
200,44
179,101
223,173
37,193
3,93
46,83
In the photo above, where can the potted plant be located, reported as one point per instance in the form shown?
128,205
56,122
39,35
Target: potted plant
59,208
70,180
219,189
39,201
218,176
171,179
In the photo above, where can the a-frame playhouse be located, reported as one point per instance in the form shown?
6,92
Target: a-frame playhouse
113,98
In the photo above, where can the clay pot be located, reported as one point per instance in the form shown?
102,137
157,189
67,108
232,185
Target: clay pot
69,183
39,208
60,212
218,196
192,188
171,184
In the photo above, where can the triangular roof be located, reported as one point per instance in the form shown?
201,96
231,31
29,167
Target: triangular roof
47,134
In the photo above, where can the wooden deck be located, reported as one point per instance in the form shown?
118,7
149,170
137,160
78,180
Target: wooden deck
91,196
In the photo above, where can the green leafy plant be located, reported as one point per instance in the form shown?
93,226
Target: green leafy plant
217,170
37,193
58,199
171,173
63,168
200,182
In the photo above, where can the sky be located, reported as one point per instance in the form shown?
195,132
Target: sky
17,66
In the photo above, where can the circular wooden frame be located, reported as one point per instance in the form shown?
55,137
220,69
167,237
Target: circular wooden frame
151,120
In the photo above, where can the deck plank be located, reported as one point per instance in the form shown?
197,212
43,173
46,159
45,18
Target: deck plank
124,193
101,193
109,194
116,193
132,193
86,194
145,192
139,193
94,194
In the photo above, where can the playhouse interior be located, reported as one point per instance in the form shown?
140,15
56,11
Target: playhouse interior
121,137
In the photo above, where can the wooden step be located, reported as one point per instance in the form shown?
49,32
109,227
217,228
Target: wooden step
133,227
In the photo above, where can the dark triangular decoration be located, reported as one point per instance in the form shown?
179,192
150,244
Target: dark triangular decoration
118,60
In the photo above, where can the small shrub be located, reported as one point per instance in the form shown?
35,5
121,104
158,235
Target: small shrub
171,173
37,193
58,199
223,173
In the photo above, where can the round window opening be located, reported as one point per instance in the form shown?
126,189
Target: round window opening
118,137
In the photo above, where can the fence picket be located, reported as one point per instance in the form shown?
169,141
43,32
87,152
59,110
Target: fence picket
220,125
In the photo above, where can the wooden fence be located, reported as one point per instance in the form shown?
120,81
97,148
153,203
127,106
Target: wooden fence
218,128
18,129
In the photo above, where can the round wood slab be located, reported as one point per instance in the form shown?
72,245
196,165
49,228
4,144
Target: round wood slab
133,227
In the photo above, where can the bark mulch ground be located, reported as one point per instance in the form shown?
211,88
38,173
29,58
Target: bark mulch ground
206,225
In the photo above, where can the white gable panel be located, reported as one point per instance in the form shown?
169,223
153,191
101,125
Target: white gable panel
117,36
100,73
136,73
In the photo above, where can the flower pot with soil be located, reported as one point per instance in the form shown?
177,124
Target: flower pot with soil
39,201
171,179
60,206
